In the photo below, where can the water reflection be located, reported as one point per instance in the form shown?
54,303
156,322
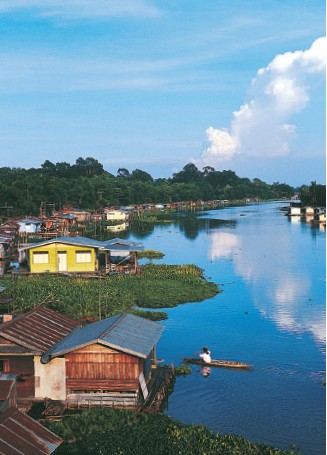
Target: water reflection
278,273
189,224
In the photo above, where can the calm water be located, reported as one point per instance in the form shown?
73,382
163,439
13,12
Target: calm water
271,314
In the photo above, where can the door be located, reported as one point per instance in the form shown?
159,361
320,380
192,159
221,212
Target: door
62,261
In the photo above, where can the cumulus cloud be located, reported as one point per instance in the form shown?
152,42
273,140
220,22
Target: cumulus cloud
261,126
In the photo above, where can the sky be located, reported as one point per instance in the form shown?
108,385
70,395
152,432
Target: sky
158,84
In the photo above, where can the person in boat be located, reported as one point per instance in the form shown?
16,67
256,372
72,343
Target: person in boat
205,355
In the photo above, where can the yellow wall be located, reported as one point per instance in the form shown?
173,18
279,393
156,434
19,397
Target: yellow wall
72,265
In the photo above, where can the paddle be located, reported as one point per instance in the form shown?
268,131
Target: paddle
193,355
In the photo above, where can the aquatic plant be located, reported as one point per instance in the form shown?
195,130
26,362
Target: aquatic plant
89,298
125,432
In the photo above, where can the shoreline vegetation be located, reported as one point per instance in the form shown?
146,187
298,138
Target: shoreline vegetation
125,432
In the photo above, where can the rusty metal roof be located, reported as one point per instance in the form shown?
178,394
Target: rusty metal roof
37,330
20,434
124,332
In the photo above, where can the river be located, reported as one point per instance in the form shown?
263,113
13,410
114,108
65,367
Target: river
271,314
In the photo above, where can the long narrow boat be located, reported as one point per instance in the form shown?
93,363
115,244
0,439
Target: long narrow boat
218,363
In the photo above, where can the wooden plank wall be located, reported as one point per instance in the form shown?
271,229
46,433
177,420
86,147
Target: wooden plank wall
99,368
23,368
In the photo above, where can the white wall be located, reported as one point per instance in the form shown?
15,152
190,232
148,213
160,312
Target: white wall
50,379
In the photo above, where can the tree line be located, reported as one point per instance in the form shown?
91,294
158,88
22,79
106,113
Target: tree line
87,185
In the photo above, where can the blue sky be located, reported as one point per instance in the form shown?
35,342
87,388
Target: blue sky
154,85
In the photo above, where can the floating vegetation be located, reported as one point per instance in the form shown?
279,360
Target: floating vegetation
183,370
89,298
150,254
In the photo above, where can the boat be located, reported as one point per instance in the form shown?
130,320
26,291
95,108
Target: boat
218,363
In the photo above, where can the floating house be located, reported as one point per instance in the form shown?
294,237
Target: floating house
106,363
295,209
80,255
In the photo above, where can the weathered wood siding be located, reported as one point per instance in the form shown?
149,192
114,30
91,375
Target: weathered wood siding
96,367
23,368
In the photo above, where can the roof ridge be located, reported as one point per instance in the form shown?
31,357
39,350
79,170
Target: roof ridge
106,332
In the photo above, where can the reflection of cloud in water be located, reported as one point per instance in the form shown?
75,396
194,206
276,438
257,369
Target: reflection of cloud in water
290,289
278,290
223,245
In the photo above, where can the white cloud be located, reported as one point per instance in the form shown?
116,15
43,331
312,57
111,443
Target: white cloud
261,126
81,9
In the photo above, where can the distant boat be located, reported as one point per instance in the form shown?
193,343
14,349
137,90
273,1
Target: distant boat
218,363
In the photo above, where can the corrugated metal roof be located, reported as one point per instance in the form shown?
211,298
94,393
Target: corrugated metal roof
13,349
119,244
124,332
83,241
114,244
20,434
37,330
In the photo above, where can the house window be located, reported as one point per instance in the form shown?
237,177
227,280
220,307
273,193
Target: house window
41,257
4,366
83,256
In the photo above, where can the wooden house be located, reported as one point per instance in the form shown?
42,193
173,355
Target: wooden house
109,362
104,363
22,342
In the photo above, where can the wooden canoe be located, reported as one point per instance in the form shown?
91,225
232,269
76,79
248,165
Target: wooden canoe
218,363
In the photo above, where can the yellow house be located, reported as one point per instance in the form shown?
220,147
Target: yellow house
63,254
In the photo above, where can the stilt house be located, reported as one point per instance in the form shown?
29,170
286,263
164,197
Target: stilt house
108,362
